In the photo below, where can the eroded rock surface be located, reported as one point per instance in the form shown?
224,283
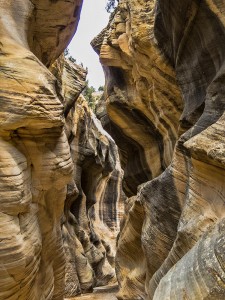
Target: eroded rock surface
103,293
35,158
142,97
94,205
55,159
164,67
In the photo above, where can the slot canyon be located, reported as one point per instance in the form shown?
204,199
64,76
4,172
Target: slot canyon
125,201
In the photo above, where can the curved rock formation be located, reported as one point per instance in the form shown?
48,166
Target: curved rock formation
35,158
93,204
59,170
51,154
156,55
142,97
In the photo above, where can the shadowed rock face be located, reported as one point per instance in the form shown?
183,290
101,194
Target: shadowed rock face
55,157
60,175
93,204
143,100
164,61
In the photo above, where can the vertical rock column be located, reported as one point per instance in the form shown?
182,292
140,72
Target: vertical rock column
143,105
35,157
93,202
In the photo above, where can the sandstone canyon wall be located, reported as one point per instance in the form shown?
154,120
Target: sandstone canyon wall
93,204
164,106
59,170
60,176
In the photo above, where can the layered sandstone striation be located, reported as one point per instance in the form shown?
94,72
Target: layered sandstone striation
164,105
93,206
35,157
142,97
59,170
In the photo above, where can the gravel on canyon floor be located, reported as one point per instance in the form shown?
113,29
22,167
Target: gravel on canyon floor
100,293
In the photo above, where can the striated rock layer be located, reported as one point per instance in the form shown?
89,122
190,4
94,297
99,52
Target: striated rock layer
164,65
142,97
35,160
55,158
93,203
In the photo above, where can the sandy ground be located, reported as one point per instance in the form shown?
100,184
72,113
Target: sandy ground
101,293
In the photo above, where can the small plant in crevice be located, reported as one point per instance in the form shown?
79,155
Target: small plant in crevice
101,88
92,95
70,57
111,5
88,95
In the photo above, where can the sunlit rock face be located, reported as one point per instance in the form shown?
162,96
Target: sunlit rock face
35,157
164,61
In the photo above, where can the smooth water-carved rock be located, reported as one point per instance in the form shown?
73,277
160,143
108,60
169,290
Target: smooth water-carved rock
93,204
143,99
54,159
131,269
172,49
35,158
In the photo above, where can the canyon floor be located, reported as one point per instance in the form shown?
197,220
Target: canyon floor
100,293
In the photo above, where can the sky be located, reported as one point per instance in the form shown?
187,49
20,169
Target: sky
93,19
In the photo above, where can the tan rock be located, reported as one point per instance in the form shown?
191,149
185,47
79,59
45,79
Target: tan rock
143,98
168,49
93,205
35,158
55,157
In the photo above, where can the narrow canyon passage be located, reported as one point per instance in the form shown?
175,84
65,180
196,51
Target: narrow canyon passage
127,188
